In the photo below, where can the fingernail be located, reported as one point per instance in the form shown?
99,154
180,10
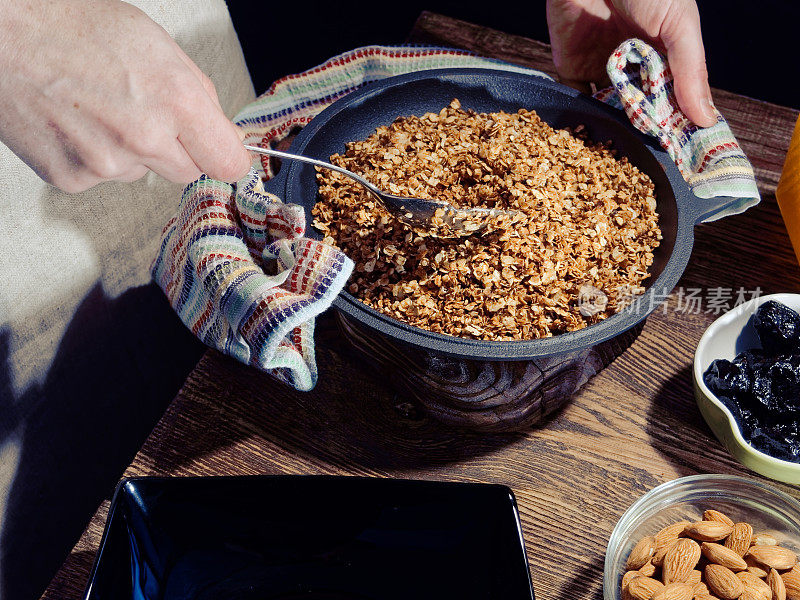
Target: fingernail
710,110
241,133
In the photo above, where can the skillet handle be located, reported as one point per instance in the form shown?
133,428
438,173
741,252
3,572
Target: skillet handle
705,209
277,184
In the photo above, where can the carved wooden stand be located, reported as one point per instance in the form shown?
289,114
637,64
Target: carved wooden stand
480,394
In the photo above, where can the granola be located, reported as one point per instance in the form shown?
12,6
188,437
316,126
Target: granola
580,251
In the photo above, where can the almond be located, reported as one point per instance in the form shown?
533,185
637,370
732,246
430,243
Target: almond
756,584
765,539
757,571
708,531
740,538
670,533
680,560
648,570
754,568
777,585
700,589
715,515
751,594
641,553
626,579
642,588
719,554
723,582
776,557
675,591
712,559
661,552
791,581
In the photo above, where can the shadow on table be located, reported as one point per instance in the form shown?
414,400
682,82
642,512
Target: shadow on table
69,582
352,422
65,441
585,585
678,431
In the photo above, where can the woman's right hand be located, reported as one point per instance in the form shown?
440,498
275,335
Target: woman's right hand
94,90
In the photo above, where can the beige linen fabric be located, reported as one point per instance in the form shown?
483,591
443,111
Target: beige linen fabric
55,246
64,261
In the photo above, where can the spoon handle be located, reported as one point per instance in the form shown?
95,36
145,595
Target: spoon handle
314,161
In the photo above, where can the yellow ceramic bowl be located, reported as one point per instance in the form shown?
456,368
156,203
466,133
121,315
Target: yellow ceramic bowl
729,335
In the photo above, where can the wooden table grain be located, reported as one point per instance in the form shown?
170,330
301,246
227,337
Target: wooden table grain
632,427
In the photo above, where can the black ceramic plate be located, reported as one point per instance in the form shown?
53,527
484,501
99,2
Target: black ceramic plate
248,538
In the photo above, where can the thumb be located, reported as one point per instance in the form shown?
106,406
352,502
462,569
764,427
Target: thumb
214,143
684,43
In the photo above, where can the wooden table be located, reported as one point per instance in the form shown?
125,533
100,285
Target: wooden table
631,428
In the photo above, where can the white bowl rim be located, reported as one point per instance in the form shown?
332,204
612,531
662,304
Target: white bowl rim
723,320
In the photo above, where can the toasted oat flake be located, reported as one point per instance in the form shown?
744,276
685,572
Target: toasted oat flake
587,221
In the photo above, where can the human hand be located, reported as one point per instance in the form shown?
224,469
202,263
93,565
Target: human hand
584,33
93,90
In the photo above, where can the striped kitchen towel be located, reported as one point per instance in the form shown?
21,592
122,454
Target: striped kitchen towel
710,159
293,101
234,262
236,268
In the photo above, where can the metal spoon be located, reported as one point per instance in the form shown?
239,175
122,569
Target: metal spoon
433,216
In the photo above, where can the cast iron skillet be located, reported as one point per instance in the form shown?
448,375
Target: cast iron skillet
357,115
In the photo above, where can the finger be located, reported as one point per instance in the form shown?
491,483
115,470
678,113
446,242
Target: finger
133,174
684,43
213,143
68,173
73,183
59,160
105,160
175,165
207,84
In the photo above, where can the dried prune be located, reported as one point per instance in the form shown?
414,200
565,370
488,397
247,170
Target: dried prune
752,358
778,328
761,388
781,440
776,385
726,378
736,377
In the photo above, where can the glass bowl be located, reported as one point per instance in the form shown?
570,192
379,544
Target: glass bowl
767,509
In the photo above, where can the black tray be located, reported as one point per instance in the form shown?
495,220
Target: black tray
311,537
